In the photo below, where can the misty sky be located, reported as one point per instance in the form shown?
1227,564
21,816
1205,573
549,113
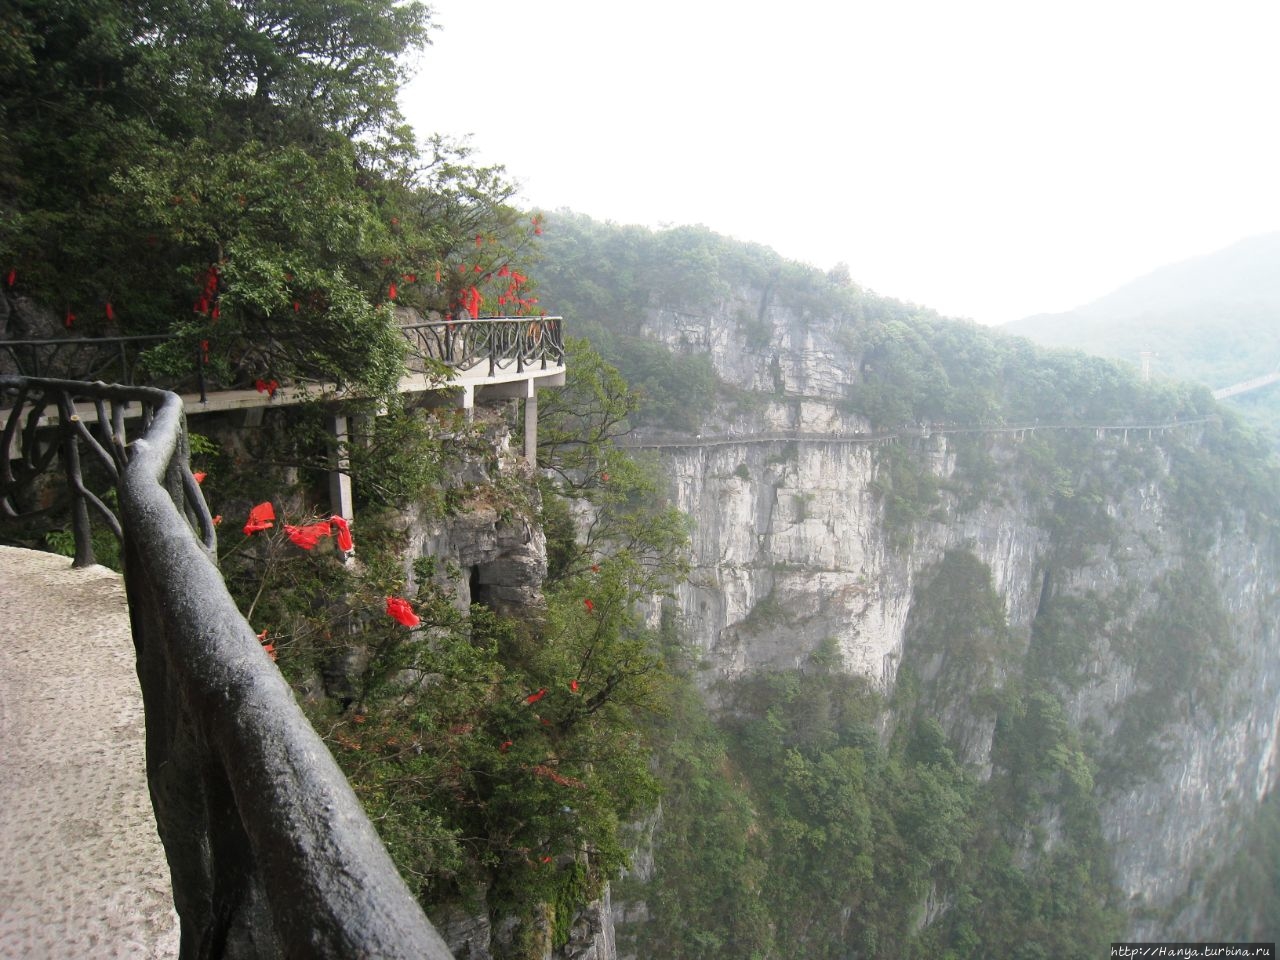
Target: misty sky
988,158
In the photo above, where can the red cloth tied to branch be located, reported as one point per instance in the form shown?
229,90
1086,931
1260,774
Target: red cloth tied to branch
309,535
400,611
260,518
473,301
267,646
343,530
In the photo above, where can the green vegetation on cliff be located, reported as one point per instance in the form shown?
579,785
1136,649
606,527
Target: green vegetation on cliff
236,172
795,823
811,814
1211,320
499,751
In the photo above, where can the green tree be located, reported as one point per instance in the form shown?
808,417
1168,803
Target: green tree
620,498
236,171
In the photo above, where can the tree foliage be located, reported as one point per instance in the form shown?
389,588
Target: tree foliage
498,757
236,171
605,502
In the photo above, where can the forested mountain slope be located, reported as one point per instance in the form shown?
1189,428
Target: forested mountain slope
987,631
1213,320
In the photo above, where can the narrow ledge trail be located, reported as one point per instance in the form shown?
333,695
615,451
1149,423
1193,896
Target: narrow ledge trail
82,870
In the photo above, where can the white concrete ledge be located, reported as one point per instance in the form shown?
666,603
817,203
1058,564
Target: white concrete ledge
222,401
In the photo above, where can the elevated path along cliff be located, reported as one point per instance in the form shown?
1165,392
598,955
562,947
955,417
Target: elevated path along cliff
1247,386
660,440
285,856
459,362
82,870
463,360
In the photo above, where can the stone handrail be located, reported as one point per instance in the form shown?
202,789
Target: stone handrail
270,852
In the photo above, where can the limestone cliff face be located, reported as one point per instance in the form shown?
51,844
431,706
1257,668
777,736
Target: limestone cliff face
487,549
795,552
492,551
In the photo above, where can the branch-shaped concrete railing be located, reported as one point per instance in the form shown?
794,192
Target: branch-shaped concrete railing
506,343
270,852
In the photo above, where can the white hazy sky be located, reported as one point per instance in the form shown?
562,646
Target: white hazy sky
987,158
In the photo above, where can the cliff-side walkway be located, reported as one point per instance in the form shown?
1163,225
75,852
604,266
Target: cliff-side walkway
82,871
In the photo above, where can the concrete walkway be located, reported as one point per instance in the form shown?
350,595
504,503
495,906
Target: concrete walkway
82,871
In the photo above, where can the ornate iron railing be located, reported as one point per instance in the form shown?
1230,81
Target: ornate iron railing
270,853
503,343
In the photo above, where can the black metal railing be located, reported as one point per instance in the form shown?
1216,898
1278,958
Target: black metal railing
503,343
270,853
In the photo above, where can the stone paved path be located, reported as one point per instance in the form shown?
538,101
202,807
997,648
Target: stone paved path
82,871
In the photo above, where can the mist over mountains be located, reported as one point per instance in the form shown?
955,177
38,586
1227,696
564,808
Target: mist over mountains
1213,319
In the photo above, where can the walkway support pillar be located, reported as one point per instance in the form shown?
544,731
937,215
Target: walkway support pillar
531,424
340,499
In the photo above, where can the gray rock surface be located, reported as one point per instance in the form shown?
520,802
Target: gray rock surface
793,555
82,871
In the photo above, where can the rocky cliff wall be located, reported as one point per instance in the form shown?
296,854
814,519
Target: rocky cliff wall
492,551
796,551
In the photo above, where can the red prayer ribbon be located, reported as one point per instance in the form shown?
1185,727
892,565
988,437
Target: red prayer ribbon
307,536
400,611
260,518
344,533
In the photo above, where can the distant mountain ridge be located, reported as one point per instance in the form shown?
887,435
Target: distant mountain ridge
1213,319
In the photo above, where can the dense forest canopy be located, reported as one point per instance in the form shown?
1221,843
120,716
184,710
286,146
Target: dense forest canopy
916,365
236,171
